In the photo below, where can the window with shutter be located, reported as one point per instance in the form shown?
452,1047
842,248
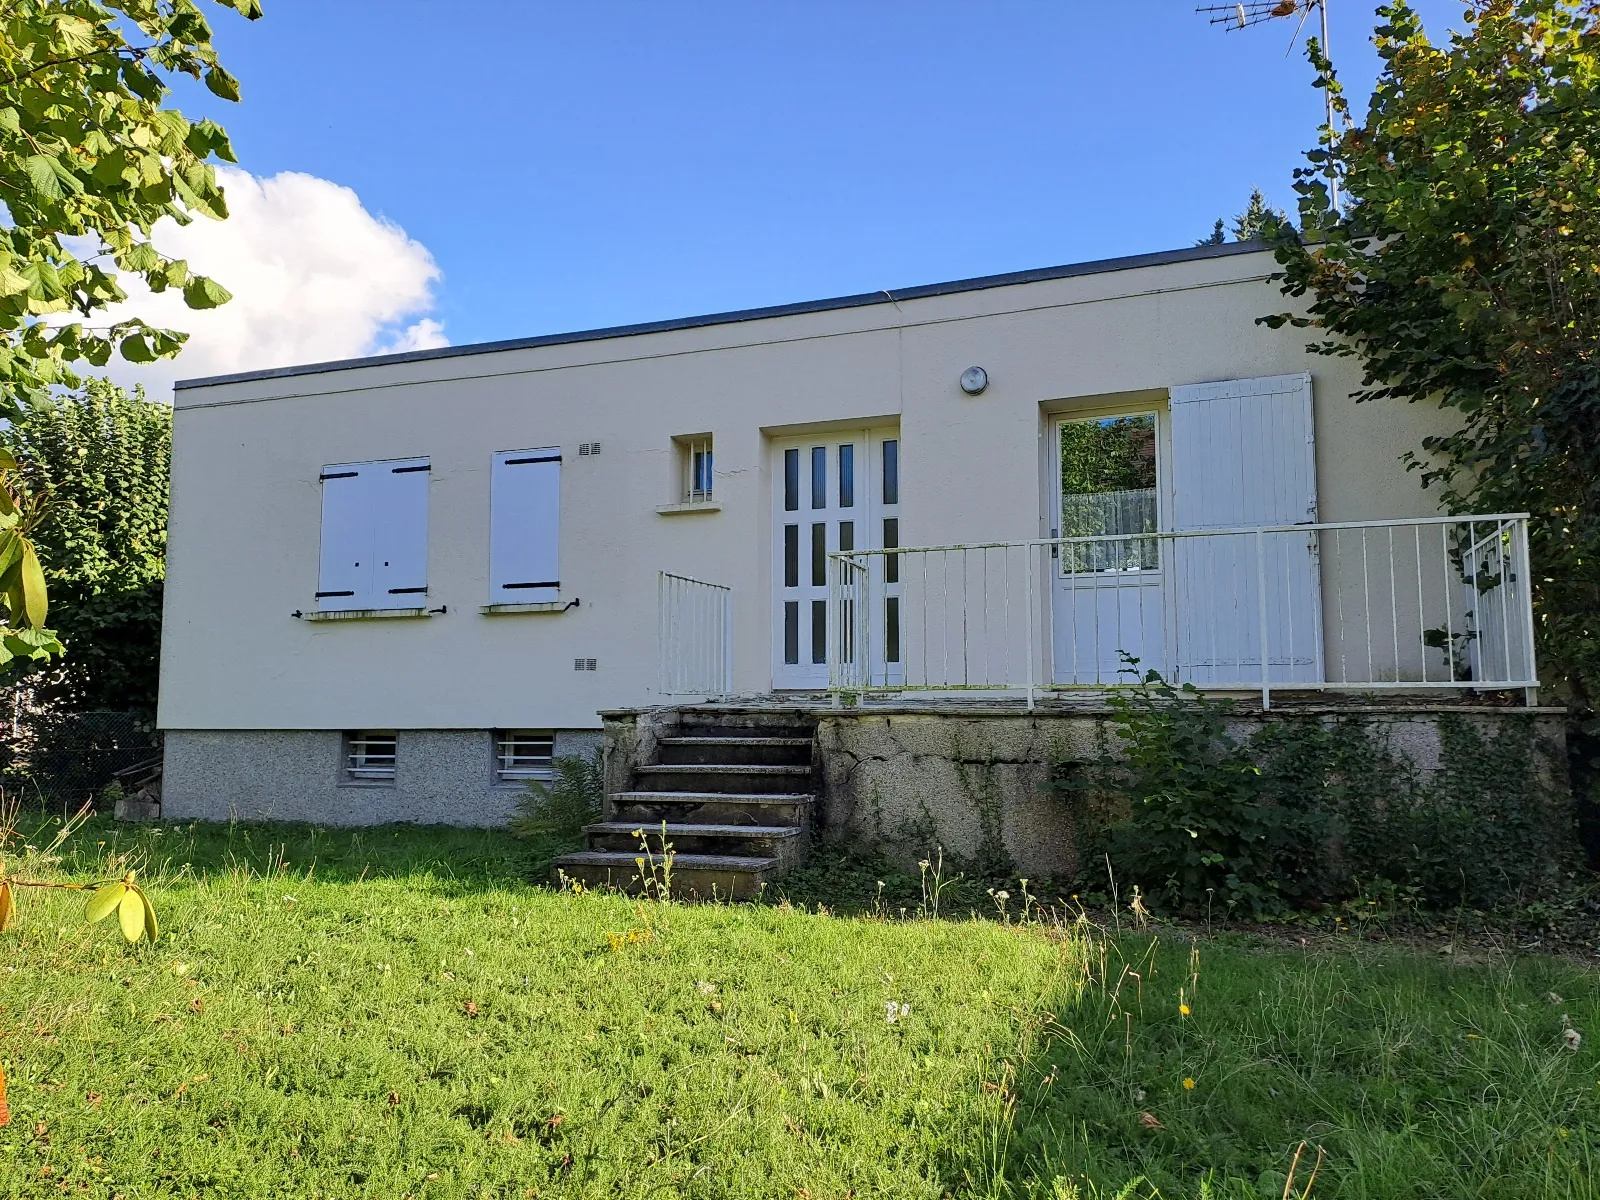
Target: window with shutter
524,526
374,535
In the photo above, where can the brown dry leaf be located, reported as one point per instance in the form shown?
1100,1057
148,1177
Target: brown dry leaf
94,1098
1148,1120
394,1099
510,1138
197,1004
555,1119
471,1008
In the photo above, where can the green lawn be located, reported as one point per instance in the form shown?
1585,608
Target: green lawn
403,1011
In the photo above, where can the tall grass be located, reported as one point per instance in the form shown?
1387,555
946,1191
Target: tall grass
404,1011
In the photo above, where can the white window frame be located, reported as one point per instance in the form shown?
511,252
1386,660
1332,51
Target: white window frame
513,768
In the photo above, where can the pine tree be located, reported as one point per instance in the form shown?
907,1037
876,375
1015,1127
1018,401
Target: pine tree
1218,236
1257,222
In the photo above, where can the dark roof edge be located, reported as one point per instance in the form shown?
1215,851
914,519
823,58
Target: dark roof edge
862,300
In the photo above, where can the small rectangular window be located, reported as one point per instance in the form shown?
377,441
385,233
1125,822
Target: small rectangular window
819,631
847,536
891,629
819,477
523,754
791,480
891,471
819,554
891,541
696,468
847,476
369,756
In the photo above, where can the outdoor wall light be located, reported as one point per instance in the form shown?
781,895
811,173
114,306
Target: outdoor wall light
974,380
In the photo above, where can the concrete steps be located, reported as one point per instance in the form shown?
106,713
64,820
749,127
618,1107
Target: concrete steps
736,802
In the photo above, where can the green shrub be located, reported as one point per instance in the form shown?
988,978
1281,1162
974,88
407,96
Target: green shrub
563,806
1314,808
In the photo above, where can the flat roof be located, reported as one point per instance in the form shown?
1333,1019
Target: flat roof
861,300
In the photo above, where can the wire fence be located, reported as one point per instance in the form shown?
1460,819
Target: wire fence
50,758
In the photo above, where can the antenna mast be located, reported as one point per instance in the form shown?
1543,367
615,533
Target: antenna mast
1259,12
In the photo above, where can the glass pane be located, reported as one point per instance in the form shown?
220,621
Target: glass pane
819,631
819,555
1108,487
702,475
847,536
791,480
891,539
847,476
819,477
791,631
791,556
891,629
891,472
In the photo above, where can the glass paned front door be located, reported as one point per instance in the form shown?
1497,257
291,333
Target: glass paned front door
824,501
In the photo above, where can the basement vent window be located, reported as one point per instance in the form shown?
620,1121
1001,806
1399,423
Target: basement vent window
369,756
588,449
523,754
585,664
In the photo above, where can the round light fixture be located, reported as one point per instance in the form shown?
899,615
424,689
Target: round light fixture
974,380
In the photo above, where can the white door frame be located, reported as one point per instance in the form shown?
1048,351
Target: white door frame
799,578
1076,601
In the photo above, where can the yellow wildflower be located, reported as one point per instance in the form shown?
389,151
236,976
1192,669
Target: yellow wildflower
1183,1010
1188,1084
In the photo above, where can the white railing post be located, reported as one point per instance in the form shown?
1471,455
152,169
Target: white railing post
1029,552
1261,607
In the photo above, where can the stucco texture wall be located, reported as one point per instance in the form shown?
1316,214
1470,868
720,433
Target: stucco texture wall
245,527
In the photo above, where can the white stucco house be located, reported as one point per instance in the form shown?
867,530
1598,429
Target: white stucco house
397,585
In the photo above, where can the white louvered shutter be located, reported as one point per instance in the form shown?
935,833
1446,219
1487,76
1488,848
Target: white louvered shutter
345,578
400,529
1243,454
524,526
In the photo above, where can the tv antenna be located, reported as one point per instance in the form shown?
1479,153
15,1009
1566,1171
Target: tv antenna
1259,12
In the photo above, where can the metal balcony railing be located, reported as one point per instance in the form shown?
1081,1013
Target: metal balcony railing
1429,603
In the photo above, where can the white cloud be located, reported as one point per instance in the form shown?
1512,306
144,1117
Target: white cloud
314,277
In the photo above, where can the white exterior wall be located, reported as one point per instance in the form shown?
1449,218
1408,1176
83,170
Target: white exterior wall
246,499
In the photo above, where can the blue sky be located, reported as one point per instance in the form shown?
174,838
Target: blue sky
583,164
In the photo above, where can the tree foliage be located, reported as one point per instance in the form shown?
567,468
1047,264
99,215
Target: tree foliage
90,159
1464,271
101,456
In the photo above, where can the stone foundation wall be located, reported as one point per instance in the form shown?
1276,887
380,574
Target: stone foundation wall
442,777
971,780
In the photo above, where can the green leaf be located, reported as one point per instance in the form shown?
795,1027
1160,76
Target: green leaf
103,901
35,602
220,83
41,172
130,914
151,929
201,292
136,350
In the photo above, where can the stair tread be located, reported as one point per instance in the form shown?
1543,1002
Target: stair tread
726,768
714,797
680,862
693,830
736,741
